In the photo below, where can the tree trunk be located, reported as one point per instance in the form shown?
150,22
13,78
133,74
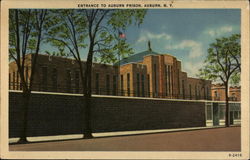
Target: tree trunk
25,107
87,118
227,112
87,108
87,96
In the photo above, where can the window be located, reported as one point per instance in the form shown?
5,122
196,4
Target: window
236,115
205,95
138,84
97,83
142,85
17,81
114,85
128,84
190,91
209,112
44,78
77,81
172,80
199,92
68,81
9,81
166,79
148,85
122,85
234,98
155,77
54,79
208,97
21,85
27,73
169,76
216,94
183,89
196,92
14,81
222,111
178,81
107,84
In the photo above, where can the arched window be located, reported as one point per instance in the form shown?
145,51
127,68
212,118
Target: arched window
216,94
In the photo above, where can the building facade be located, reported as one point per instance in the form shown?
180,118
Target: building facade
146,74
218,93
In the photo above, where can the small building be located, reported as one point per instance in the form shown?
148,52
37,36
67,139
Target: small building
218,92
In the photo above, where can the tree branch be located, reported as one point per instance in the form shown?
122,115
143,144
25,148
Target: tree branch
25,38
70,49
233,70
69,28
74,36
222,79
98,23
17,38
12,56
98,42
236,59
218,60
40,30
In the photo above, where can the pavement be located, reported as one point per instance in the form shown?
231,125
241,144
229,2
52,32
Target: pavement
105,134
188,139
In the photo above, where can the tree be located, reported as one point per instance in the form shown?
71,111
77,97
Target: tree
26,30
223,63
67,34
100,28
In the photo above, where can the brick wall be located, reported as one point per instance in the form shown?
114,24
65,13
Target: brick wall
200,89
55,114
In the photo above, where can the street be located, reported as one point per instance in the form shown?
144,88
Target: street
217,139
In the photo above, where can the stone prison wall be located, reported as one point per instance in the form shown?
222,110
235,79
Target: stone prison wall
58,114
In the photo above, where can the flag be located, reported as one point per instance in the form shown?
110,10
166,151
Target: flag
121,35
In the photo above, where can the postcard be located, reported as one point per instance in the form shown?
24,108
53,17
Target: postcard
163,79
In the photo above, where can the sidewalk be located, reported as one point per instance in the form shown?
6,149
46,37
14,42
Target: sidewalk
199,139
108,134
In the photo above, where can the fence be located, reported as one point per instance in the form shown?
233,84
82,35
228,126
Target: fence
106,91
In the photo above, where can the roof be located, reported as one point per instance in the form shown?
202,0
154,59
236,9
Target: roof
136,57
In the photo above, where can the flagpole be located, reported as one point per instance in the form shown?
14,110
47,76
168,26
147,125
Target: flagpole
121,36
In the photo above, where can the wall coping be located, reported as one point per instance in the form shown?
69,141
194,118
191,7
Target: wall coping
123,97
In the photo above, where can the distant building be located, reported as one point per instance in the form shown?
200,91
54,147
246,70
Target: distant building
218,93
145,74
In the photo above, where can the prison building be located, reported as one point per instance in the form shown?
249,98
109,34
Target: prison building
59,74
145,74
